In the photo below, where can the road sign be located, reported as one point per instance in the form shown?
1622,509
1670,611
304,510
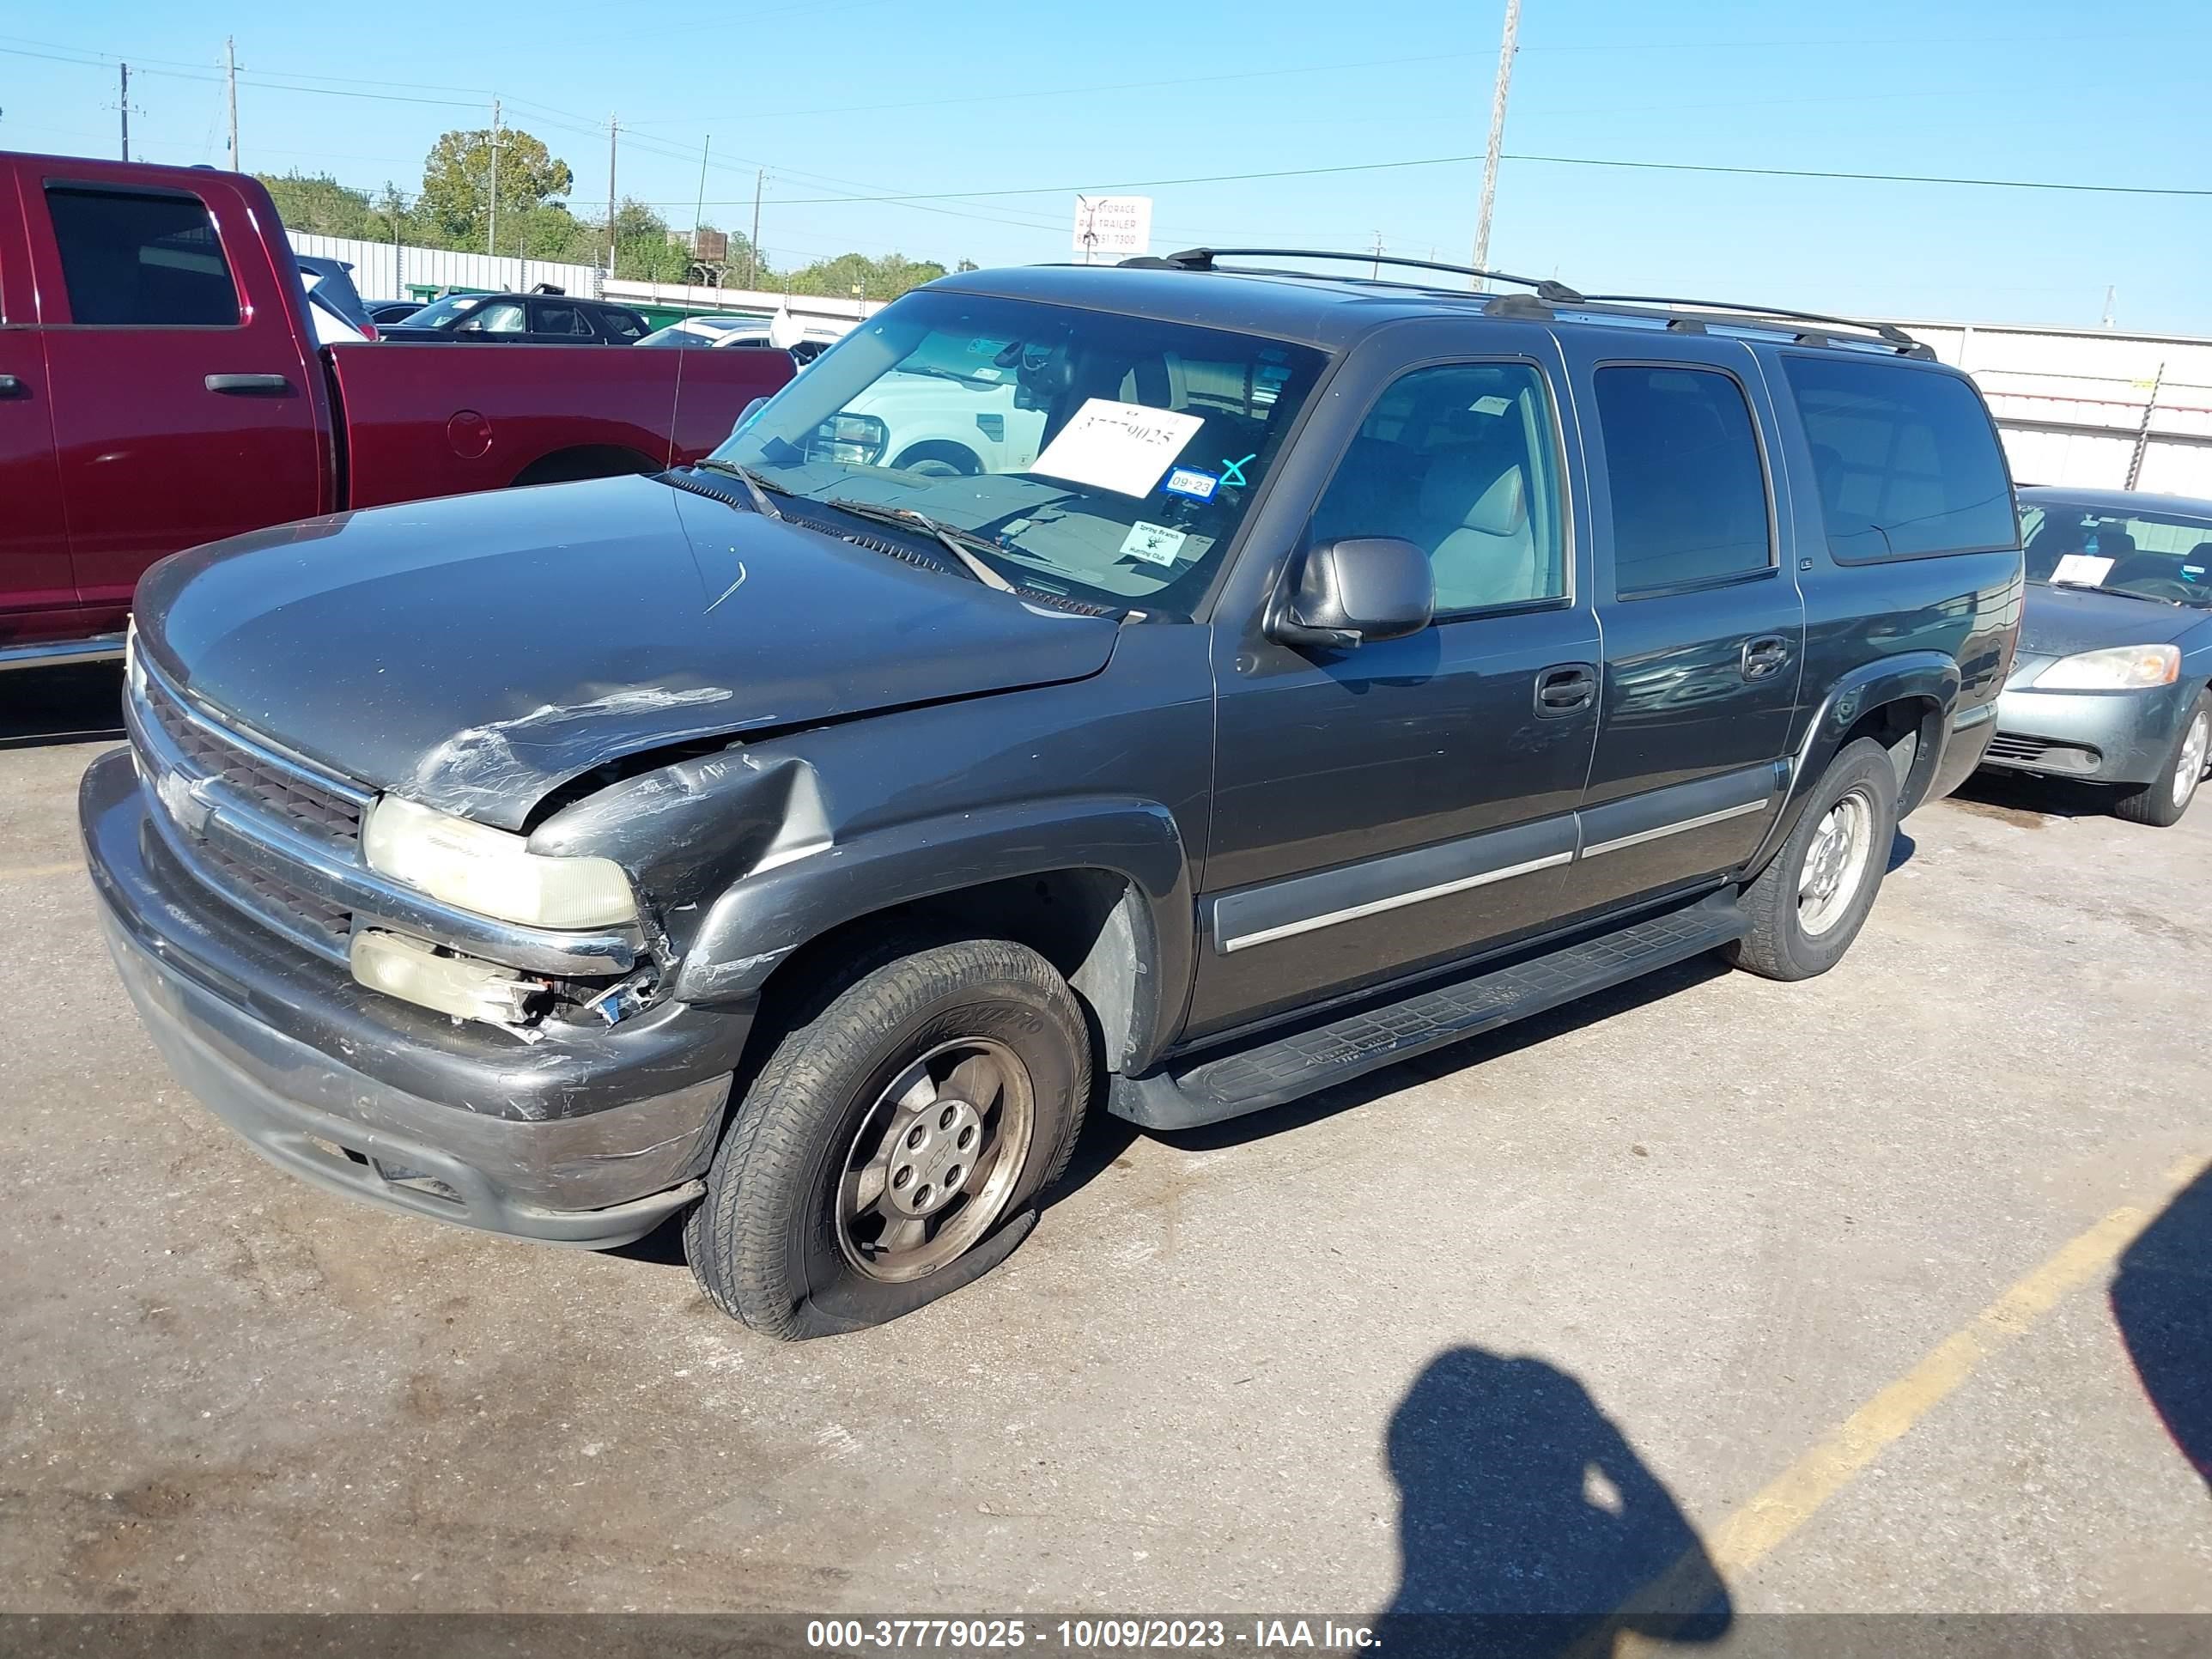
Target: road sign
1113,227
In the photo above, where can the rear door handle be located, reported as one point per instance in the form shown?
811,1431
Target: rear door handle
246,382
1763,658
12,386
1566,688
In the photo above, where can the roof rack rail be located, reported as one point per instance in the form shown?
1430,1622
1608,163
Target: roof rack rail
1889,331
1202,258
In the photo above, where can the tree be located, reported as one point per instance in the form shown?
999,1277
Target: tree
456,199
320,204
855,276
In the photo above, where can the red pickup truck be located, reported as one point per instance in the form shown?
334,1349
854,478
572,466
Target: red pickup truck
160,386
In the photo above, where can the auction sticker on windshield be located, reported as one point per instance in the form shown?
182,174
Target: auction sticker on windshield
1155,544
1124,447
2084,569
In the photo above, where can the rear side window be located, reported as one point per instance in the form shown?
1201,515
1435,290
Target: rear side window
1681,462
1907,460
564,319
624,325
141,261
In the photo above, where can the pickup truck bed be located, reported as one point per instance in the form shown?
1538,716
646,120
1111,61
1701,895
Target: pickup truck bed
160,387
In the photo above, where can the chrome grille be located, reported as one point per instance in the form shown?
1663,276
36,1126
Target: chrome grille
290,791
279,903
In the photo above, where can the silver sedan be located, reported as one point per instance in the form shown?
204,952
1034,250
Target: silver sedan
2115,648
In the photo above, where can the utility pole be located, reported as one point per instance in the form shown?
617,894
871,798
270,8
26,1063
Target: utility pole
491,223
614,126
398,268
1375,270
699,207
123,103
752,248
230,78
1505,51
2110,293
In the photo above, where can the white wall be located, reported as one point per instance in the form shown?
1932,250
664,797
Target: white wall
382,271
2089,406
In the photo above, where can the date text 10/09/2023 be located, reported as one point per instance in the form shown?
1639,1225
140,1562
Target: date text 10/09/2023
1085,1635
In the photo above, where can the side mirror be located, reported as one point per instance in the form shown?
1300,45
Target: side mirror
747,413
1353,591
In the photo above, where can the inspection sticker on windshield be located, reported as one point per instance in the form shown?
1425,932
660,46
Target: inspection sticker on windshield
1123,448
2083,570
1155,544
1189,481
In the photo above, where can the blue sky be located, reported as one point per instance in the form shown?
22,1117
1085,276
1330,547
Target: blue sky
845,98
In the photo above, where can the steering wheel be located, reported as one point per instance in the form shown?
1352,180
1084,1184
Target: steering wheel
2167,587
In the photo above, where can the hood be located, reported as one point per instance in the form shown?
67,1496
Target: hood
476,653
2058,621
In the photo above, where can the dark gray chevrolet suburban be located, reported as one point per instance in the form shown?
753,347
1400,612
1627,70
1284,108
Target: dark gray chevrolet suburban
1256,677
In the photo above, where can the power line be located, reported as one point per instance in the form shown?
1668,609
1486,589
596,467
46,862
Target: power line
1867,178
1557,160
1085,90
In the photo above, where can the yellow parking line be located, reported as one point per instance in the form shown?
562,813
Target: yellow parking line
33,871
1790,1499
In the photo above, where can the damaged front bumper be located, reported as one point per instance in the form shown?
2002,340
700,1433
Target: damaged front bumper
589,1137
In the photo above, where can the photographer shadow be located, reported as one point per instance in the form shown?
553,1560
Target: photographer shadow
1529,1527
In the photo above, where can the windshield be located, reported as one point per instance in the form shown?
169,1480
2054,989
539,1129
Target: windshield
1107,457
441,311
2152,556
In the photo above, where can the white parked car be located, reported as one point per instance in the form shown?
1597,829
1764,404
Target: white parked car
705,331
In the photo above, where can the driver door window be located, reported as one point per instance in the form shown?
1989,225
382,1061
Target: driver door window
1460,460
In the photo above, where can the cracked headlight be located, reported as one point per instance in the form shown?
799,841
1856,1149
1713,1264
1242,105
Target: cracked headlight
491,872
2117,668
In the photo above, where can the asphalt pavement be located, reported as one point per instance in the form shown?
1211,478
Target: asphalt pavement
1882,1292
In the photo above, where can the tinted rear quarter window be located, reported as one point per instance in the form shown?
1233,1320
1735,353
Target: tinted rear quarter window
1906,459
1682,466
141,261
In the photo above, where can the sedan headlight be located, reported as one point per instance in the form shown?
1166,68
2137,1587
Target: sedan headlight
2117,668
491,872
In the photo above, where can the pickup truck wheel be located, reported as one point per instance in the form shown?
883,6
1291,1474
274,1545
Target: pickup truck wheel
939,461
891,1148
2161,802
1810,902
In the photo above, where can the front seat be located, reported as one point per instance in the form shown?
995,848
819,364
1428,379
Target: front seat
1489,555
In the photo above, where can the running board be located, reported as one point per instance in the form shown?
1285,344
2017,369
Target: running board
1315,1057
56,654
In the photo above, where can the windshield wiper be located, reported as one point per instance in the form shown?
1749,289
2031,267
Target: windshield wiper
955,540
756,486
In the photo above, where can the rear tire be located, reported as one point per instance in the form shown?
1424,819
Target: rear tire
2161,802
1810,902
892,1148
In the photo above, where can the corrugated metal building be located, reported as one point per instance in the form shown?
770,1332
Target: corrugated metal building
2092,407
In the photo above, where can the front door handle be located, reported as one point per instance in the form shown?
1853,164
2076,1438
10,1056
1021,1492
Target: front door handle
247,383
12,386
1763,658
1566,688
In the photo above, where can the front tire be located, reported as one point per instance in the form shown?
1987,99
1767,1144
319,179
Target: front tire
1810,902
2161,802
892,1148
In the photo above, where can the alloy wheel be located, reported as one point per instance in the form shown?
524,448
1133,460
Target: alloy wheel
935,1157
